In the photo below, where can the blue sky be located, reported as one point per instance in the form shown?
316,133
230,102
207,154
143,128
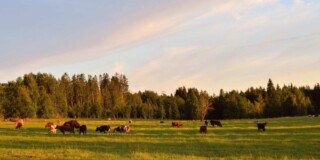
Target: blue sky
162,45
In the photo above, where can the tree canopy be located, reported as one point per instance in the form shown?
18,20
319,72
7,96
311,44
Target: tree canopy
41,95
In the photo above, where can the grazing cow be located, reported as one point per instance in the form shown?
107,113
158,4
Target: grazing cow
203,129
65,128
72,125
177,124
51,127
19,122
83,129
215,122
261,126
104,128
161,121
122,128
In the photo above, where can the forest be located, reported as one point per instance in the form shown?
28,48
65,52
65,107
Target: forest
42,95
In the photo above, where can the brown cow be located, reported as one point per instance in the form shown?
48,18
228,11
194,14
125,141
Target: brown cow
51,127
19,122
72,124
203,129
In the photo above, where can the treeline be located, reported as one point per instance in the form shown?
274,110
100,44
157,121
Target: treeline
265,103
43,96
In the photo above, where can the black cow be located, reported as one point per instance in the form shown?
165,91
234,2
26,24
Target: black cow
104,128
83,129
215,122
261,126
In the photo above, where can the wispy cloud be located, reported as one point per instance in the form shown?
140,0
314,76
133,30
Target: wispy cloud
145,28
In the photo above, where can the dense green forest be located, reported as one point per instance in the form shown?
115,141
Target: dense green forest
43,96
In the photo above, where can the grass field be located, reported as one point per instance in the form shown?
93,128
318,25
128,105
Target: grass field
285,138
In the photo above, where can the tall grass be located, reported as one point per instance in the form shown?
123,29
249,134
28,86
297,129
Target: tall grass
285,138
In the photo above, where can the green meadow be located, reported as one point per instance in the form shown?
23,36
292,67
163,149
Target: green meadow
285,138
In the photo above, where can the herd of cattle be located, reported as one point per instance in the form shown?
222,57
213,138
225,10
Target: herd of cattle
71,125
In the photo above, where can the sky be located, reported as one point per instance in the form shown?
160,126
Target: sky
163,45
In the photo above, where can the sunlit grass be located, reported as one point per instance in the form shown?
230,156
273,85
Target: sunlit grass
285,138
